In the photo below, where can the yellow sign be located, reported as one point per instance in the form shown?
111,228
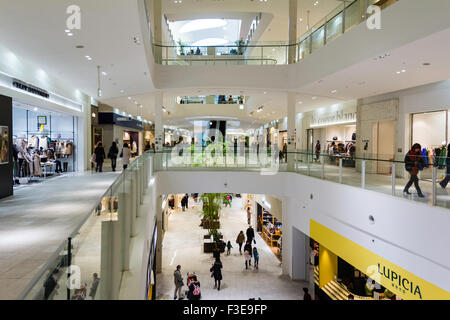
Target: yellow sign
396,279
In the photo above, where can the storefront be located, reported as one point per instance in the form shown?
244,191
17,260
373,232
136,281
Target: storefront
343,267
335,279
44,142
431,131
269,223
334,128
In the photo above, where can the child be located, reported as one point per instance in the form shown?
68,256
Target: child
248,259
256,257
229,246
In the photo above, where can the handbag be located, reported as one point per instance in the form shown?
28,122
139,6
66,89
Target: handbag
93,158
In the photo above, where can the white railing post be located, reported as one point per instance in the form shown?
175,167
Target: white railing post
434,178
363,174
393,179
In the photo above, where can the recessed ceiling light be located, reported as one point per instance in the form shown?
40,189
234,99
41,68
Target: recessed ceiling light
300,102
104,73
67,31
398,72
334,91
403,70
129,98
122,91
70,34
35,109
88,57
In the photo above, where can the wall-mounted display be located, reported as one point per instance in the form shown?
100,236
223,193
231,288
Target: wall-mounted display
4,145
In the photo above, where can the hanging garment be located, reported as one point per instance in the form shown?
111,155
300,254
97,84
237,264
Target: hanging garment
34,142
68,148
425,157
43,142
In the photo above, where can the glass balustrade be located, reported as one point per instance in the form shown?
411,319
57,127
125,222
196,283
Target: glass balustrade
344,17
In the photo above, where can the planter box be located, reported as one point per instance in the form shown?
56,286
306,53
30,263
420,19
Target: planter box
208,247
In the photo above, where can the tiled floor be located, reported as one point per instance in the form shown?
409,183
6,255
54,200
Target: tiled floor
35,221
183,244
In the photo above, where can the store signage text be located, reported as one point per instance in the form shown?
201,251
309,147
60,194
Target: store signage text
339,117
31,89
399,282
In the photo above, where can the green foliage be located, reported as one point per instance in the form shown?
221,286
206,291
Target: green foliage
211,205
181,44
216,235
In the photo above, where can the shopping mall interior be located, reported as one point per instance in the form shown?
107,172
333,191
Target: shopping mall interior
139,138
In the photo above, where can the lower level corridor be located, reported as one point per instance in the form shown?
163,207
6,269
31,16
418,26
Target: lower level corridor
37,219
183,245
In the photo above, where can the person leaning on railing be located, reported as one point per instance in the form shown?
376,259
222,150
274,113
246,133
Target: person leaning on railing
413,163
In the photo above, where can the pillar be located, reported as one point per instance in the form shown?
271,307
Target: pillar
292,30
157,29
328,262
159,127
291,130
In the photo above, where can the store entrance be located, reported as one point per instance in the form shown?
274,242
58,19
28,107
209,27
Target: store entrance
44,143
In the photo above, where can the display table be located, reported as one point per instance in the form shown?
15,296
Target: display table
271,238
45,166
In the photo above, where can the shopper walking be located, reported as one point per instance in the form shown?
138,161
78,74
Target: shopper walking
248,254
125,155
216,273
240,240
178,281
306,295
249,214
94,286
413,163
317,149
250,234
99,157
112,154
229,246
444,182
256,257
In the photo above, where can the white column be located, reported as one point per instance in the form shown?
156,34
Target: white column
157,29
159,127
292,30
291,129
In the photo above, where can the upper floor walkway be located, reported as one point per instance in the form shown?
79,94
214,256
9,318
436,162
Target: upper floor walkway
340,41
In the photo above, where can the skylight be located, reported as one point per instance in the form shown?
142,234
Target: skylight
202,24
210,42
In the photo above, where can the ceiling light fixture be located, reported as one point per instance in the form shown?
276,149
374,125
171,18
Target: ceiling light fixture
334,91
88,57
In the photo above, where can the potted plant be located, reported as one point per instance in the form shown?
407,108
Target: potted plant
240,46
181,44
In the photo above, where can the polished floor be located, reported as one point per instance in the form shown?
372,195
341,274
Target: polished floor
37,219
183,244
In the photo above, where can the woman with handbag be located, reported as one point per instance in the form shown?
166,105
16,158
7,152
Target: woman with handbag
216,273
413,163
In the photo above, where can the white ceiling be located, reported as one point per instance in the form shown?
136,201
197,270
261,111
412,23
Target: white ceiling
377,75
34,30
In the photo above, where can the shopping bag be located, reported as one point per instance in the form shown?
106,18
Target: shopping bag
93,158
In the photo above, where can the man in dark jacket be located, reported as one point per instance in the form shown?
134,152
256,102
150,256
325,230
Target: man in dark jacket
250,234
99,157
413,163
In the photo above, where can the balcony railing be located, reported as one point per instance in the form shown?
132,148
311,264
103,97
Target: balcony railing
379,173
346,16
